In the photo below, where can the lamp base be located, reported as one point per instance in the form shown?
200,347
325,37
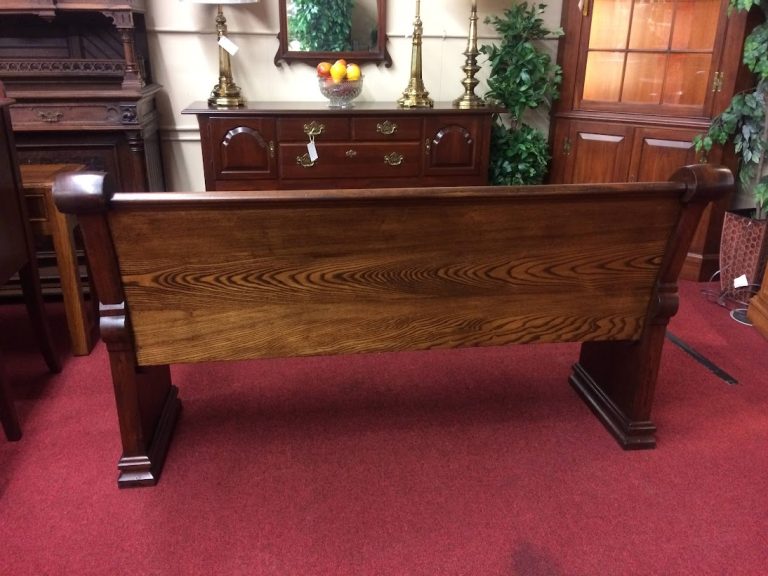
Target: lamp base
226,96
415,96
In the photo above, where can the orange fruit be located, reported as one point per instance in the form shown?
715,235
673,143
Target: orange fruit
338,71
353,72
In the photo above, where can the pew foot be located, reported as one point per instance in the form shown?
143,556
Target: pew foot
630,434
145,469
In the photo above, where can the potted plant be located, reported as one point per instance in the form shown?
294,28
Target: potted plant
521,77
321,25
744,243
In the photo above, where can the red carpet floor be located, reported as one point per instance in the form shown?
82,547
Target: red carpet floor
470,462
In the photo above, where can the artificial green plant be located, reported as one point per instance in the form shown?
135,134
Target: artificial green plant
521,77
743,122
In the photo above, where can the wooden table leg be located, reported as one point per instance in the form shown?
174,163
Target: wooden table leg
80,314
8,417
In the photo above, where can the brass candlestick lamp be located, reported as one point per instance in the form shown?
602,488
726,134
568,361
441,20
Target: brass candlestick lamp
415,96
469,99
225,94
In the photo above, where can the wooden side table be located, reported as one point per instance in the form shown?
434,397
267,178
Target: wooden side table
46,220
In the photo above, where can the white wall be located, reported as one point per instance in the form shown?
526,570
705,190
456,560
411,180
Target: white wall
184,54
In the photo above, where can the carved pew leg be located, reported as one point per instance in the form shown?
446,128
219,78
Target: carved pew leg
617,380
147,407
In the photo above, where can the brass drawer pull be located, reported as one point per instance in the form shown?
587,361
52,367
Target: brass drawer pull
50,117
271,148
351,153
393,159
314,128
427,146
387,128
304,160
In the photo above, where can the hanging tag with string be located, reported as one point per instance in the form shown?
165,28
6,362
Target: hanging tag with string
311,148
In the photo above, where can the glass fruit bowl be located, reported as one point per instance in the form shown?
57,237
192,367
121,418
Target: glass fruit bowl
340,94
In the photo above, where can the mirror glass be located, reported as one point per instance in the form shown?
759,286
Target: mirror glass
316,30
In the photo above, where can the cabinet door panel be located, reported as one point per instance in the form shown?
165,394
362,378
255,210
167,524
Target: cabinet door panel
597,152
243,148
658,152
452,145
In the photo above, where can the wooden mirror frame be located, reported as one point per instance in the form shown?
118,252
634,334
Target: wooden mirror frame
380,55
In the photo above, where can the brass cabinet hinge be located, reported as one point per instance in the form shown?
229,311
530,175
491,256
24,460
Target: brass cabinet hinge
566,146
717,82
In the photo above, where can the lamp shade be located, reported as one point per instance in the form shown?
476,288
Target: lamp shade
220,1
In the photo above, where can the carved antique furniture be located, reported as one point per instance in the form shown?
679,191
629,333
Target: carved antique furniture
195,277
17,256
79,72
47,221
373,144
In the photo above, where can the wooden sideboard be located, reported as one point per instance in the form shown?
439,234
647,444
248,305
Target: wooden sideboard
374,144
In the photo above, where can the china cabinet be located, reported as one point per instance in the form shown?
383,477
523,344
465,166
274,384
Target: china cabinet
641,78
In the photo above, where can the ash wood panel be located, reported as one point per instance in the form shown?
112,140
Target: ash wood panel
385,276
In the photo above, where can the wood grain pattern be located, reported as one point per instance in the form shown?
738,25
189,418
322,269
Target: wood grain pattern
398,275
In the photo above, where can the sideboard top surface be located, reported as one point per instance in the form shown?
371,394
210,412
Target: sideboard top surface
360,108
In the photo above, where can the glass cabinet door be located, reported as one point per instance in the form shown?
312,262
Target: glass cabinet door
650,53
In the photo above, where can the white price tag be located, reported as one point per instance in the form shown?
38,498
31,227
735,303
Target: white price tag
228,45
741,281
312,150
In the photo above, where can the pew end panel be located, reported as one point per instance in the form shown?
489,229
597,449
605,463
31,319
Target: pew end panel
210,276
617,380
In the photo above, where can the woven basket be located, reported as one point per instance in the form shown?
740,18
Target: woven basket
743,251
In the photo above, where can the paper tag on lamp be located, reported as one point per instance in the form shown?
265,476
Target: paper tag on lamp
228,45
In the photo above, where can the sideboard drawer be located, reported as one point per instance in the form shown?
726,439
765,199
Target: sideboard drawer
351,161
382,128
65,115
322,128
